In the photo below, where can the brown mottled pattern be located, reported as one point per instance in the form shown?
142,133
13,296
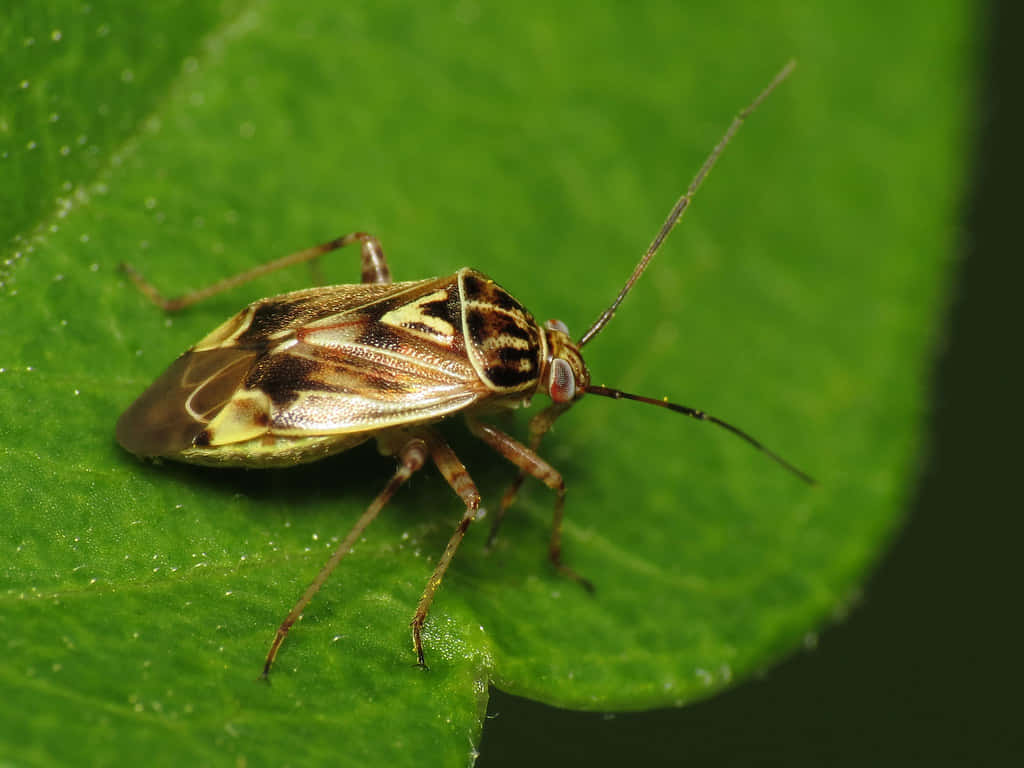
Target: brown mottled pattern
334,361
285,314
506,345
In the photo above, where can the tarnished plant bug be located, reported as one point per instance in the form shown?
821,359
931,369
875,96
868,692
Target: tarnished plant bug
301,376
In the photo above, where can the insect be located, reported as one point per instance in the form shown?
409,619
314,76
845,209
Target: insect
298,377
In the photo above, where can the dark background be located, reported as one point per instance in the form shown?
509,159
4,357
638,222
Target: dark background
925,669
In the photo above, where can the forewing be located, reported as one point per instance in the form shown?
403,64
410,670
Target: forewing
323,361
400,360
168,417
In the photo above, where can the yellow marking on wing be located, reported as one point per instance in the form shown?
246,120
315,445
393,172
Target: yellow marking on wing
244,418
412,316
227,333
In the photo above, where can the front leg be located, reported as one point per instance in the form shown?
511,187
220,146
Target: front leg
539,426
532,464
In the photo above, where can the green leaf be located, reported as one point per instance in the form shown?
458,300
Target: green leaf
798,300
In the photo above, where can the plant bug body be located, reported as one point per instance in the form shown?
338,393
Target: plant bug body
301,376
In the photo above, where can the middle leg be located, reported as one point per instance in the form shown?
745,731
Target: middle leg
454,471
411,457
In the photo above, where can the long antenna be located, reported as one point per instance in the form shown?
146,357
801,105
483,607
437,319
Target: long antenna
683,203
616,394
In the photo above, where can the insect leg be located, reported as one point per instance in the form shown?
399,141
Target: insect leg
411,457
532,464
374,270
458,478
374,264
540,424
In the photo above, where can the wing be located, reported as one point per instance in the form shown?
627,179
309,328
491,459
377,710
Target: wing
338,361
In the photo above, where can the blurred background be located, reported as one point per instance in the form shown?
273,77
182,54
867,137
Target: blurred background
924,670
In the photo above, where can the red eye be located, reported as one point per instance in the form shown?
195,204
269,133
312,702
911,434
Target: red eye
557,325
562,383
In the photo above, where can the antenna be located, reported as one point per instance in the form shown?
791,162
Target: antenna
616,394
683,203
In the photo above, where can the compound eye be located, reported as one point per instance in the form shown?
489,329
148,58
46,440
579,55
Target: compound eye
562,384
557,325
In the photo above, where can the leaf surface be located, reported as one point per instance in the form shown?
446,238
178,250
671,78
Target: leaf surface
797,300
